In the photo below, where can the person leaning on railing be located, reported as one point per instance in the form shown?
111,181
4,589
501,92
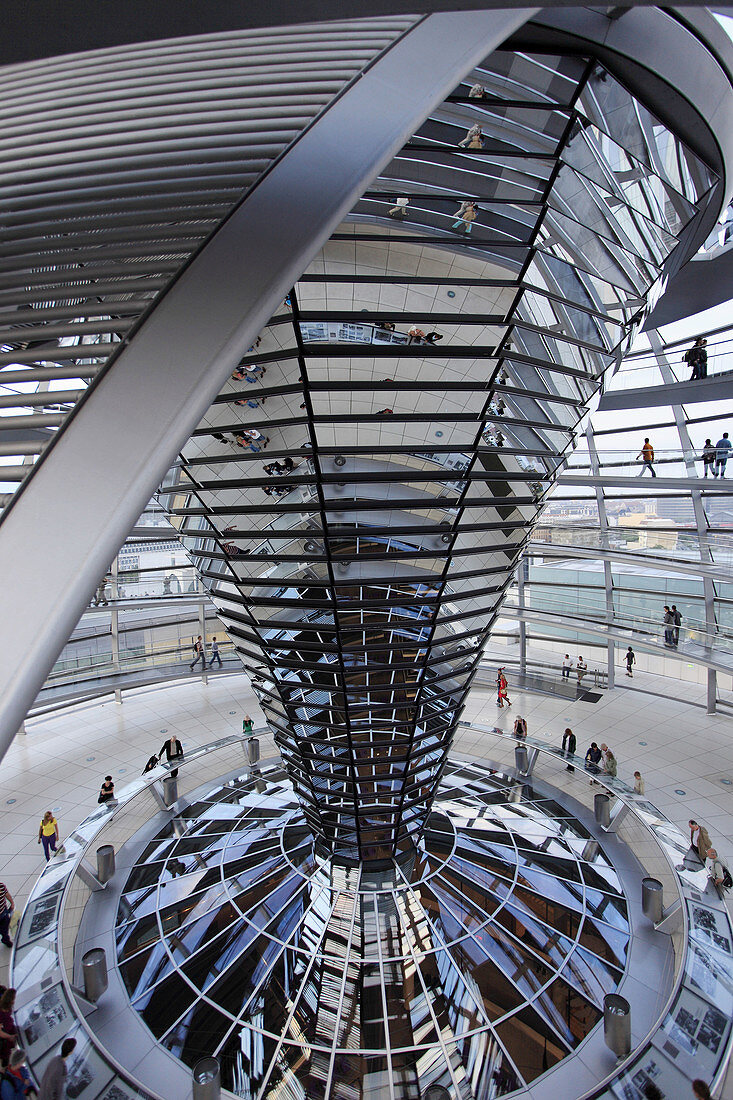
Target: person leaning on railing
173,750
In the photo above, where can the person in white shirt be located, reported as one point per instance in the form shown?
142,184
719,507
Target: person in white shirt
474,138
581,668
715,868
567,664
214,653
399,210
638,783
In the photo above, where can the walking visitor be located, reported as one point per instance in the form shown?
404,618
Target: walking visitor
569,745
198,654
53,1083
697,358
630,662
399,210
465,216
474,138
48,834
502,689
214,653
646,454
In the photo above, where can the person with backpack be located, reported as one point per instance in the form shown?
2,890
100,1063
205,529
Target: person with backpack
198,654
697,358
708,458
717,871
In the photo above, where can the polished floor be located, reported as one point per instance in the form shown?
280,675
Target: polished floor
685,755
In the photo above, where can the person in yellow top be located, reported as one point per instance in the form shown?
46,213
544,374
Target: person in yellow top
646,454
48,833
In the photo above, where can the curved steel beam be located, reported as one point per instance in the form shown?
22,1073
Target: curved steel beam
699,285
644,48
87,25
636,558
104,467
717,387
645,641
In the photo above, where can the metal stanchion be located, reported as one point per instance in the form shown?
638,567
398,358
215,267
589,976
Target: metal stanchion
94,969
521,759
206,1079
652,899
602,810
105,863
591,848
170,790
617,1024
253,751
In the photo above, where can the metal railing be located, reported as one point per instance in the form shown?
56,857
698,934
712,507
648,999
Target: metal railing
69,875
629,461
692,632
657,844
